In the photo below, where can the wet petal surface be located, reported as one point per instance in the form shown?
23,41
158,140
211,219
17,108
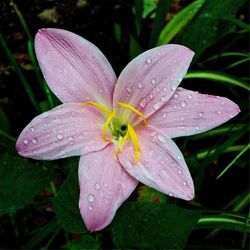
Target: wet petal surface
104,186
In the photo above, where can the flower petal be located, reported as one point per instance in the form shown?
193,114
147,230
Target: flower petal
75,69
67,130
104,186
189,112
149,80
160,166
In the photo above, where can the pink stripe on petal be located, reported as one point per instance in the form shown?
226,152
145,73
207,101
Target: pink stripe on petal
160,166
104,186
67,130
75,69
149,80
189,112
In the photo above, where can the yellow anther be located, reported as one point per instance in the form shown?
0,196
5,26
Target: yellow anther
124,139
127,106
99,106
104,132
135,140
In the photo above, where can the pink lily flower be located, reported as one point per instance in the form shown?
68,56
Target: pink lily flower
121,128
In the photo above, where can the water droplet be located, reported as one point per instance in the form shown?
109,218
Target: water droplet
196,104
32,129
197,128
164,115
164,98
179,171
105,184
129,89
143,103
165,89
189,96
139,85
97,186
222,103
219,112
174,87
59,136
34,140
73,113
171,194
149,60
176,96
184,183
231,116
201,114
91,198
183,104
26,141
90,207
151,96
71,138
153,81
161,138
157,106
178,157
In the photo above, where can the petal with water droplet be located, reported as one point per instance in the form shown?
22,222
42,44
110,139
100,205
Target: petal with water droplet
149,169
102,167
64,135
154,76
188,116
73,67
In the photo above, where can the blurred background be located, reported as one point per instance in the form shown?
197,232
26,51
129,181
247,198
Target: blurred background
39,199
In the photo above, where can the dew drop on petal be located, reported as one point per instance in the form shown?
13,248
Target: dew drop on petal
189,96
25,141
219,112
139,85
91,198
176,96
184,183
105,184
164,115
34,140
97,186
161,138
153,81
143,103
151,96
59,136
149,60
231,116
32,129
164,98
174,87
179,171
129,89
200,114
157,106
90,207
183,104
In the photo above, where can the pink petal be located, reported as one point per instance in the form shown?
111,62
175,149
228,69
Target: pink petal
75,69
67,130
160,166
104,186
189,112
150,79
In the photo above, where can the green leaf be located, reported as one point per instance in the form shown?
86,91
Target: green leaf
209,25
161,13
20,182
225,221
179,21
66,205
134,48
138,4
85,242
5,122
217,77
153,225
148,7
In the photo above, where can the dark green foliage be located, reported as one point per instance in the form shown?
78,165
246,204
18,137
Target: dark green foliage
66,205
153,225
20,182
84,242
209,25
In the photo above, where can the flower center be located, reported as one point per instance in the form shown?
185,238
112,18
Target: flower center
121,132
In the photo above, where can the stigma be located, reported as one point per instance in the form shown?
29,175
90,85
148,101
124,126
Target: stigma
119,133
